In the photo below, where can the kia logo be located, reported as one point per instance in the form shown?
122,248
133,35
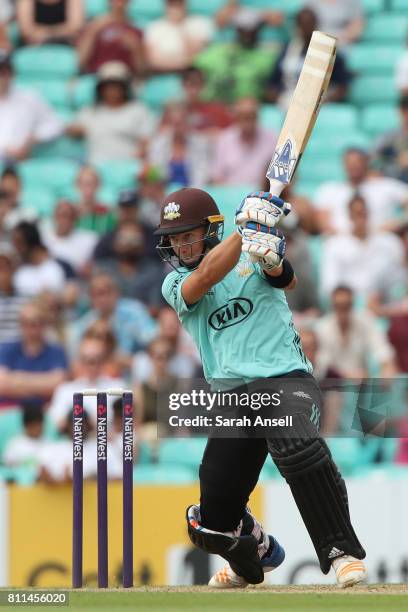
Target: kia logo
234,311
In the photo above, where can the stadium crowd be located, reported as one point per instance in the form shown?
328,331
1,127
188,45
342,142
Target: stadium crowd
160,95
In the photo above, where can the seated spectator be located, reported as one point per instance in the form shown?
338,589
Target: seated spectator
66,242
286,71
181,153
243,151
128,211
23,450
116,127
89,373
10,188
239,68
30,368
357,258
340,18
303,300
130,320
184,360
25,118
172,41
152,190
205,115
349,340
390,153
10,302
102,330
303,213
55,460
111,38
136,275
37,271
49,21
384,197
93,215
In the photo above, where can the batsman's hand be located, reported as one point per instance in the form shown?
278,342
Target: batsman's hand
265,245
261,207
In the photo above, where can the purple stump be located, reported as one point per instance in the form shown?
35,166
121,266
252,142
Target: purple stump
102,463
127,437
77,489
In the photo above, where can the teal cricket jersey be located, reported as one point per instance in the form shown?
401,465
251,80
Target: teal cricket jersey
242,327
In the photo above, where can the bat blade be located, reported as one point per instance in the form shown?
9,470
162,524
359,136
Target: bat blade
303,110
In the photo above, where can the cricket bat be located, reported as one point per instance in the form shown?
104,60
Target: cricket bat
303,110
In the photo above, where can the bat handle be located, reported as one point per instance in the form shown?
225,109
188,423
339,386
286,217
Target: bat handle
276,187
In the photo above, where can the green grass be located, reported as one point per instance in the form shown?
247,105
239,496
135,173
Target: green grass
375,599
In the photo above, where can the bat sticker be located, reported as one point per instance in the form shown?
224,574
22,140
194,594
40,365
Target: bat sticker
283,164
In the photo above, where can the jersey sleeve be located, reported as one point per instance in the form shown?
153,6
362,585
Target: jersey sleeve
171,291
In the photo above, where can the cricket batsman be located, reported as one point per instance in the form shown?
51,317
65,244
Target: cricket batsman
264,344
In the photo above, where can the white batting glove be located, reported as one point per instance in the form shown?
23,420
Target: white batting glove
264,245
261,207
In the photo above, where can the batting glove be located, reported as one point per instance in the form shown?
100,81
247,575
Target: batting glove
261,207
265,245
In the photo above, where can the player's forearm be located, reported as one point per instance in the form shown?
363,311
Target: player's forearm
221,260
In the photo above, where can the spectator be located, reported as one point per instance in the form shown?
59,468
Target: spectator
10,187
49,21
349,341
25,119
340,18
303,300
130,320
6,12
10,303
65,242
173,40
89,371
383,196
5,209
116,127
180,152
358,258
239,68
205,115
137,276
184,360
111,38
286,71
128,212
30,368
243,151
93,215
147,395
152,190
55,460
23,450
102,330
37,271
390,154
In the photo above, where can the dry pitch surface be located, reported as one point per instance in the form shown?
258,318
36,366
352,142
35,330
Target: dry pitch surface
375,598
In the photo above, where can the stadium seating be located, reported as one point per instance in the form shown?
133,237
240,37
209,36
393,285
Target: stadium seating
54,91
44,173
372,6
40,200
159,90
46,62
119,174
387,27
146,9
373,59
11,424
182,451
162,474
271,117
373,89
335,116
379,118
93,8
205,7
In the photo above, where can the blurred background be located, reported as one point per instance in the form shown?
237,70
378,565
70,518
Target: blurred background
107,105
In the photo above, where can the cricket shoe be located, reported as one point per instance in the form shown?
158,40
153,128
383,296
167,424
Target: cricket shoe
226,578
349,571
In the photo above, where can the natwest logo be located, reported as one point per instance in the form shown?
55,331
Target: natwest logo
234,311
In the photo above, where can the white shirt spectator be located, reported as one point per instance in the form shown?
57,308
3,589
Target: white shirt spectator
174,41
401,72
76,248
6,11
351,353
384,197
334,16
29,280
23,450
24,115
61,401
114,133
181,366
363,265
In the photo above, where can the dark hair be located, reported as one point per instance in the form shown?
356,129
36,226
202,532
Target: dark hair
357,150
30,234
33,413
124,84
344,288
10,171
403,102
356,197
190,71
